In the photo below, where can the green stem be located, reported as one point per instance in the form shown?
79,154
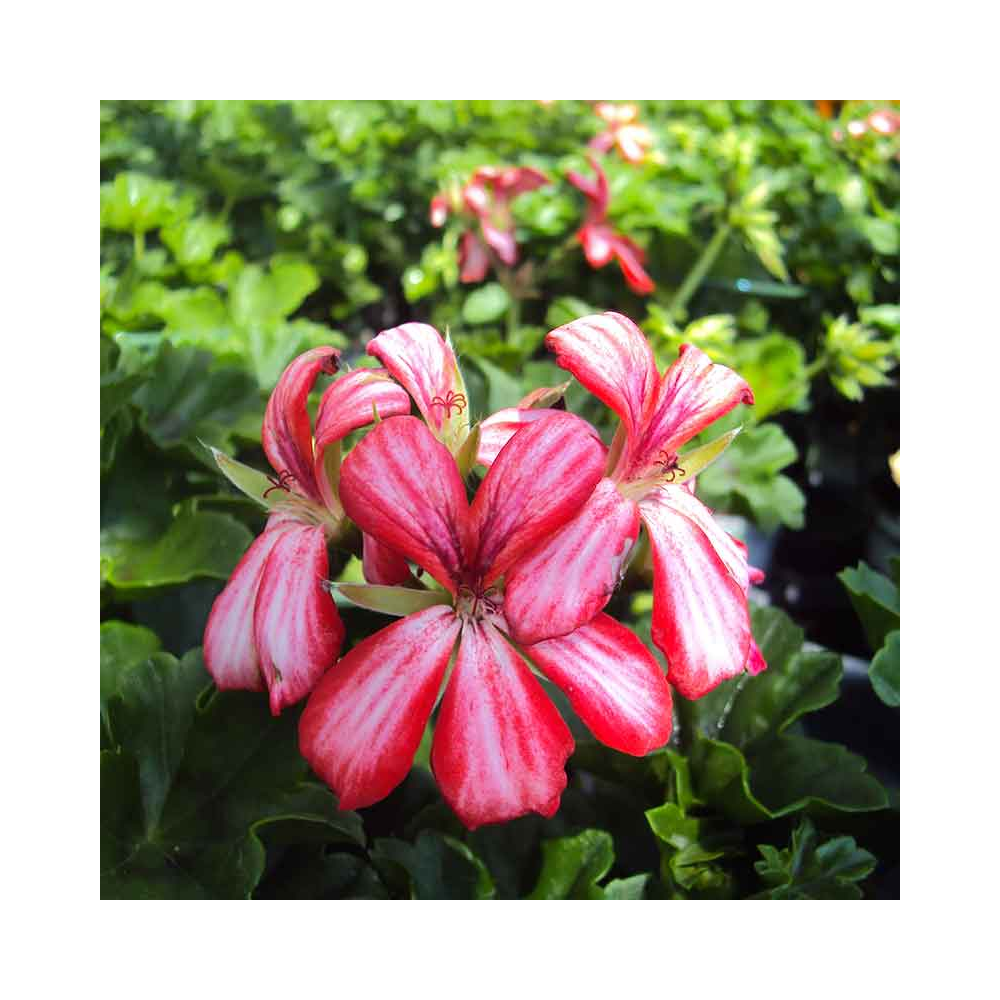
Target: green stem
138,244
814,367
513,314
699,270
685,721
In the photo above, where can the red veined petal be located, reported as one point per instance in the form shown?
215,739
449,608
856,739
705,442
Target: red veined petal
439,210
755,659
595,191
700,617
610,356
230,653
630,259
569,578
473,259
362,725
297,629
598,243
287,434
540,479
475,196
349,403
382,564
401,485
520,180
425,366
693,393
497,430
500,747
613,683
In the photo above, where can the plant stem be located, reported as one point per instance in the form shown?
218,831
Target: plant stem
138,244
513,314
699,270
814,367
685,721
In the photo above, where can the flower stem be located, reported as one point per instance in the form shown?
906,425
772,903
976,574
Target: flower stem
138,244
513,314
699,270
814,367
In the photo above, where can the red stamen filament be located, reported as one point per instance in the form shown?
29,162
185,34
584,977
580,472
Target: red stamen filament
455,399
670,465
281,483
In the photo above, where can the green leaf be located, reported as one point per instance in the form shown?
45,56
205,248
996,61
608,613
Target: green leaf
196,544
150,719
884,671
747,480
883,234
503,390
633,887
260,298
191,397
875,599
793,772
774,366
136,203
123,647
565,309
436,866
693,462
814,869
485,305
572,866
194,241
689,848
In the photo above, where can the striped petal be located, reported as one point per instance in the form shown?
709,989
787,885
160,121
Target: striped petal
569,578
230,653
495,431
539,481
473,258
287,433
630,259
613,683
401,485
362,725
382,564
610,356
297,630
694,392
425,366
353,401
700,617
500,747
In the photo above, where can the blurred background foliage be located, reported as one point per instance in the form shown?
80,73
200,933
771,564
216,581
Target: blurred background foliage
236,234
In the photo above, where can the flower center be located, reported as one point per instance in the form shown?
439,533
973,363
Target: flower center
474,604
670,464
281,483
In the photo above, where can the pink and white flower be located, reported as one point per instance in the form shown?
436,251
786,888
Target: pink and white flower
601,243
274,627
500,746
486,201
632,139
701,576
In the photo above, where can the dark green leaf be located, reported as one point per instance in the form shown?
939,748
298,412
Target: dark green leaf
875,599
884,671
123,646
572,866
436,866
485,305
812,869
633,887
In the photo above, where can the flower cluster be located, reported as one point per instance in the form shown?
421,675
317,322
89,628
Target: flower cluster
485,202
511,583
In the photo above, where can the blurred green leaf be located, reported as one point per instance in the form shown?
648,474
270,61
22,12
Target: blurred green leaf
485,305
434,867
123,646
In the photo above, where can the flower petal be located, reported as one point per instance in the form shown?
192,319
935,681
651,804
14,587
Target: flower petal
569,578
473,259
497,430
596,191
700,617
610,356
500,747
598,243
502,242
630,260
362,725
613,683
425,366
694,392
297,629
402,486
287,434
538,482
382,564
230,653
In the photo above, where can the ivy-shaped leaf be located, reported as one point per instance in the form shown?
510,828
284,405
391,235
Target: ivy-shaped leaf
884,671
572,866
876,600
436,866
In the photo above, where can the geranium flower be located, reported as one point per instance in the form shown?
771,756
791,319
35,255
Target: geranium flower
701,576
632,139
485,200
500,746
600,241
273,626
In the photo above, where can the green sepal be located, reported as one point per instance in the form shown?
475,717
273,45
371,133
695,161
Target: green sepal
398,601
465,457
698,459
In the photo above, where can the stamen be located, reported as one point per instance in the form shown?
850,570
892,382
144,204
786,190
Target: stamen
456,399
281,483
670,466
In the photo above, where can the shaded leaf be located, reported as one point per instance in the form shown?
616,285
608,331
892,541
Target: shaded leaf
436,866
875,599
572,866
884,671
